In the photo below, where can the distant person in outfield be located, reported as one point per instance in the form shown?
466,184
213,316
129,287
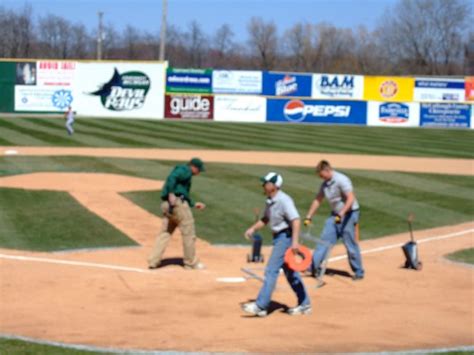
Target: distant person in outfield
176,207
344,220
69,116
284,221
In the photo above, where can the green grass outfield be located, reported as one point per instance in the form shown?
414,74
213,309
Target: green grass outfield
464,256
238,136
231,192
21,347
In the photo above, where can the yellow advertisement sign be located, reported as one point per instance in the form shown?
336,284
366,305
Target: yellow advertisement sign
388,88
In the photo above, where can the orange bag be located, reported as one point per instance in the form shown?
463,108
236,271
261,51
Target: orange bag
301,261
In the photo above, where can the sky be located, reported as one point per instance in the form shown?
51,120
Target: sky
211,14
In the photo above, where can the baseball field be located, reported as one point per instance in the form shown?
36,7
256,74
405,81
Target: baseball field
79,215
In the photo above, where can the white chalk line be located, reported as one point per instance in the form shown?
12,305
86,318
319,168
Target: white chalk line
146,271
399,245
73,263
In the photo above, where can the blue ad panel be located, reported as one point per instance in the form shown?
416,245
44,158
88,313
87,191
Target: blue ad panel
286,84
439,84
317,111
189,80
445,115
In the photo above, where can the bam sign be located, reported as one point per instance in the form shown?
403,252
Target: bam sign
329,86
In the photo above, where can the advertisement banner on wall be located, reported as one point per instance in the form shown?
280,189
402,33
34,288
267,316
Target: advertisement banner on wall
446,115
469,94
55,73
321,111
128,90
438,90
393,114
237,81
44,86
42,99
199,107
240,108
286,84
387,88
338,86
189,80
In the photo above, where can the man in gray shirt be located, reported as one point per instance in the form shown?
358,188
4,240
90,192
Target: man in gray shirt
284,221
343,222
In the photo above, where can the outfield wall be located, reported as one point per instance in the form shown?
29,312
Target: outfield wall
152,90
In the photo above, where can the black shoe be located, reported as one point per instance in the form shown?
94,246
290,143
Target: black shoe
357,277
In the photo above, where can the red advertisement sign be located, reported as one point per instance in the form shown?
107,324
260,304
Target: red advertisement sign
189,107
469,88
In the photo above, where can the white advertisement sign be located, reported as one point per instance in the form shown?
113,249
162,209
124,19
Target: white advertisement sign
55,73
237,81
128,90
393,114
44,86
47,99
434,90
472,116
338,86
239,108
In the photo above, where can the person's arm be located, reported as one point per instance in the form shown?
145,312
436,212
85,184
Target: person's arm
348,205
314,207
295,226
255,227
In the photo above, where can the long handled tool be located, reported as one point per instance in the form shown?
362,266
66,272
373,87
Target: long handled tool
307,236
410,249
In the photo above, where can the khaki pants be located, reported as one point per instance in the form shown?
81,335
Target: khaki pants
182,218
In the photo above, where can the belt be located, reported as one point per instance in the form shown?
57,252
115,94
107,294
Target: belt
284,230
335,214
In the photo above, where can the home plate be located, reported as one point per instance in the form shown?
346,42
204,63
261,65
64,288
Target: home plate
231,279
10,152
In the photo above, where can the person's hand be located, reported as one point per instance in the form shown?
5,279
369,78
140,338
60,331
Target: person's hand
307,221
295,247
338,218
200,205
249,232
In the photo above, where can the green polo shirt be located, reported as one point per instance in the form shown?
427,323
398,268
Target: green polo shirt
179,183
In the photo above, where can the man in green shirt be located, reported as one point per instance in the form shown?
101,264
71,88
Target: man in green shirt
176,209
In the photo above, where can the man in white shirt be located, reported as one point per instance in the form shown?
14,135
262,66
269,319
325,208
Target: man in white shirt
343,222
283,219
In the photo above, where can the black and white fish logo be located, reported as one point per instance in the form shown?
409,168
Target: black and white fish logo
124,92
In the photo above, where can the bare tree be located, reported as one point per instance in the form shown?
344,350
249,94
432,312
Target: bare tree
263,42
196,43
298,43
131,39
425,36
54,36
223,45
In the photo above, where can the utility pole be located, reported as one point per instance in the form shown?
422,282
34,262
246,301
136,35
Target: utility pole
163,29
100,36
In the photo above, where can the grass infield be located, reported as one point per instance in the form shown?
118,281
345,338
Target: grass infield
42,220
464,256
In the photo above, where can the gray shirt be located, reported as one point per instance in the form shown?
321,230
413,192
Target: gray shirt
279,212
335,191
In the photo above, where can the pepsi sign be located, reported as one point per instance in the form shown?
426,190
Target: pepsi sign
333,86
312,111
286,84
